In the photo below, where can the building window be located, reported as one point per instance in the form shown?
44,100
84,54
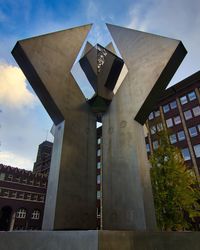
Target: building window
42,198
193,131
31,182
10,177
28,196
147,147
192,96
98,195
197,150
14,194
157,113
17,179
35,197
153,130
2,176
159,127
198,127
21,195
181,135
35,215
98,165
151,116
196,111
177,120
21,213
169,122
172,138
24,180
188,114
186,154
166,108
98,152
183,100
155,144
98,179
173,105
6,193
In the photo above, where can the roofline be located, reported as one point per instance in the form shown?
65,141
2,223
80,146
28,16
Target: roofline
180,86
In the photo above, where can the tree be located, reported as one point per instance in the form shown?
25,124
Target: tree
175,189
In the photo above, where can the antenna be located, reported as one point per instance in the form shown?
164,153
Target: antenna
47,134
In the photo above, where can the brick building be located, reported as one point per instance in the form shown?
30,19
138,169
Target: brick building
178,110
22,198
22,193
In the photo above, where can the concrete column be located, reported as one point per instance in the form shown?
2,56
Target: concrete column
198,94
47,61
127,195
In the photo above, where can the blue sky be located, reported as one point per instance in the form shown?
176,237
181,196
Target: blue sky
24,122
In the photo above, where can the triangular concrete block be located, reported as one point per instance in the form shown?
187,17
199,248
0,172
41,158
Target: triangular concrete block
151,60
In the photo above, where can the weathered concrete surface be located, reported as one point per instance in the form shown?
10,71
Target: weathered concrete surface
122,240
151,60
127,195
57,240
46,61
99,240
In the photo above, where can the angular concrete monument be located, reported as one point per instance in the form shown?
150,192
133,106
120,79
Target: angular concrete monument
122,104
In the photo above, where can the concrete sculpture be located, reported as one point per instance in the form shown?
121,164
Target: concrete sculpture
151,61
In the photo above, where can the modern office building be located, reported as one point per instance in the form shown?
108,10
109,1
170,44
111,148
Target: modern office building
178,110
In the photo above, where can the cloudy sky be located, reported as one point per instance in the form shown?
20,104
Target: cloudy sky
23,121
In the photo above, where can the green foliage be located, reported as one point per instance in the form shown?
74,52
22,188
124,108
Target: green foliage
175,188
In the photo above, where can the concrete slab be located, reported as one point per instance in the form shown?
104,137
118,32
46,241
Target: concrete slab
129,240
44,240
99,240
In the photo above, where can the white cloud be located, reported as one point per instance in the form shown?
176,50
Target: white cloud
178,19
14,92
14,160
23,120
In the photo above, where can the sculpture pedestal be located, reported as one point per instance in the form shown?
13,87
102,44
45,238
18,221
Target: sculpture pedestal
99,240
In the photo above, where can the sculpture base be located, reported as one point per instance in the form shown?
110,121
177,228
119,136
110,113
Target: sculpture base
99,240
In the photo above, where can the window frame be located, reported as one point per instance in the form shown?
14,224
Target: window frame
193,133
166,108
188,151
188,111
191,99
182,98
173,106
172,124
178,135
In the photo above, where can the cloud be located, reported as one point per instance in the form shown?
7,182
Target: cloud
178,19
23,120
8,158
14,92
